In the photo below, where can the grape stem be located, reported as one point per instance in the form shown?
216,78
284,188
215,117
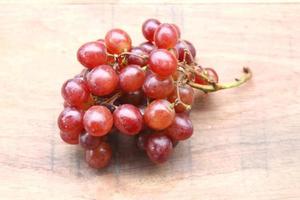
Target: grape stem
218,86
183,67
126,53
112,99
178,100
144,67
187,51
109,101
202,74
124,58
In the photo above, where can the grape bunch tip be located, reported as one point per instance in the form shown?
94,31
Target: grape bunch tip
144,91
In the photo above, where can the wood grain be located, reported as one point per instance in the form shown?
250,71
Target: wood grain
247,140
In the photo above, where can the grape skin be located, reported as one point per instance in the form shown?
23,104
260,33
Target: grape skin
158,88
159,148
137,60
75,92
149,27
70,137
135,98
165,36
88,141
131,78
142,140
100,157
98,120
148,47
70,120
92,54
128,119
159,114
162,62
181,128
102,80
117,41
177,29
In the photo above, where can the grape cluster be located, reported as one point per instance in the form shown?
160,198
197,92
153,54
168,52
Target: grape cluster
145,91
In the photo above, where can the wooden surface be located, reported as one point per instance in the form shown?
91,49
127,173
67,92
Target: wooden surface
246,143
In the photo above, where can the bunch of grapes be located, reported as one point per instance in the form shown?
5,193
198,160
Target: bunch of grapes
144,91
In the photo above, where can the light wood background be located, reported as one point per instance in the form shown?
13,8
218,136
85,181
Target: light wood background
246,143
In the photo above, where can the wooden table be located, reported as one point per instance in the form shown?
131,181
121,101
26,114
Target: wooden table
246,143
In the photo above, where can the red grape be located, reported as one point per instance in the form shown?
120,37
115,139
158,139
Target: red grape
180,46
132,78
159,114
142,140
165,36
88,141
99,157
101,41
102,80
86,105
136,60
110,59
186,94
181,128
128,119
147,47
66,104
149,27
162,62
117,41
157,88
135,98
142,109
159,148
177,29
82,74
70,137
70,120
75,92
92,54
98,120
210,73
